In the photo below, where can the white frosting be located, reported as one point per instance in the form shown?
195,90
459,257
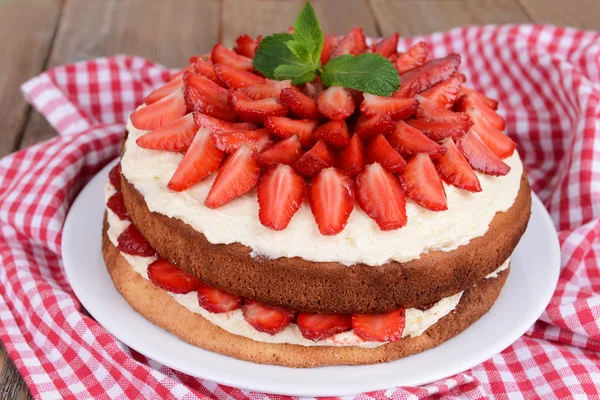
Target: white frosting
467,217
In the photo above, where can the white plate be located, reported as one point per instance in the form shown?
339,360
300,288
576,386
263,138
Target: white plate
533,277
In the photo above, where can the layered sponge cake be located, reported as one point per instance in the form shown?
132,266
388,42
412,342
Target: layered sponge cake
303,223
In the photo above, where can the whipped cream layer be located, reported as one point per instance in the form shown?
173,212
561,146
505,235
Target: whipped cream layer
468,215
417,321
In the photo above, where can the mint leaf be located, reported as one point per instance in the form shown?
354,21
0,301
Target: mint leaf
273,52
368,72
308,34
296,73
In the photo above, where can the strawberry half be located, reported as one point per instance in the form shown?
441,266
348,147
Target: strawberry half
236,78
218,125
331,199
335,103
314,326
499,143
164,90
206,68
454,168
315,159
299,104
334,133
199,161
266,90
438,131
469,101
431,73
367,127
256,110
114,176
245,46
379,194
379,150
238,175
422,183
217,301
431,111
288,151
353,43
409,141
266,319
229,142
479,156
131,241
222,55
396,108
446,92
203,95
176,135
352,159
117,205
312,89
285,127
386,327
387,46
280,191
330,43
413,58
491,103
167,276
160,112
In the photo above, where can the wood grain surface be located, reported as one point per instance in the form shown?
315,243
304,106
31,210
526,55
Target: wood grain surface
39,34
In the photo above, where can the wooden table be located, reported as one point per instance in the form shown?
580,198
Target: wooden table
40,34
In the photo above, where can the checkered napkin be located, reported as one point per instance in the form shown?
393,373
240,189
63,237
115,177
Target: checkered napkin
548,82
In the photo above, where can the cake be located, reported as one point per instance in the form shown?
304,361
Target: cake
308,199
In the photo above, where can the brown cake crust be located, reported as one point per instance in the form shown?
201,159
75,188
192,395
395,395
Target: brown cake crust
304,285
161,309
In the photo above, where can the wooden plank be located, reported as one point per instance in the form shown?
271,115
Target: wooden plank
416,17
582,14
158,30
12,385
268,16
27,28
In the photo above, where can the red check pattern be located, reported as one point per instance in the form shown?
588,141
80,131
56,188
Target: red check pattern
548,82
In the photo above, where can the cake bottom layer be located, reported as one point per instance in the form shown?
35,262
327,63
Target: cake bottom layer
160,308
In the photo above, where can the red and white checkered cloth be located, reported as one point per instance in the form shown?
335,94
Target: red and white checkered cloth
548,82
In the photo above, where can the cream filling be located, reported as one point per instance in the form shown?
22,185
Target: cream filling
417,321
468,216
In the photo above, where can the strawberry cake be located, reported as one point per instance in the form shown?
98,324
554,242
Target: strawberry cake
357,205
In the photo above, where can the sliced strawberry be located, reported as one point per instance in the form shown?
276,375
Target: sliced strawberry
280,191
388,45
114,176
312,89
206,68
396,108
330,43
334,133
117,205
352,159
288,151
446,92
409,141
238,175
200,83
264,91
437,131
217,301
299,105
266,319
386,327
454,168
285,127
235,78
422,183
335,103
468,101
429,74
131,241
256,110
199,161
479,156
314,160
432,112
499,143
315,326
245,46
164,90
203,95
367,127
176,135
180,73
331,199
379,194
491,103
353,43
413,58
228,142
222,55
379,150
169,277
160,112
218,125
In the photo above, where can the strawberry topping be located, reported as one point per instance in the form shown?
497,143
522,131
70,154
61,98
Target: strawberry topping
206,69
280,194
409,141
235,78
176,135
169,277
396,108
256,110
413,58
165,90
422,183
445,93
222,55
228,142
267,319
352,159
499,143
454,168
335,103
379,150
334,133
388,45
353,43
321,326
246,46
203,95
331,199
437,131
160,112
431,73
131,241
367,128
299,104
288,151
315,159
479,155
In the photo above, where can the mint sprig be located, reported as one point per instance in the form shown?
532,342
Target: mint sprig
297,57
